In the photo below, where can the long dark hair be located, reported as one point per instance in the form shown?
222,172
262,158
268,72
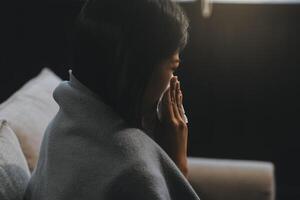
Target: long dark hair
116,45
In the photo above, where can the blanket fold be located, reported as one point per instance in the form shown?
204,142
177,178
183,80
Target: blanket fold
88,153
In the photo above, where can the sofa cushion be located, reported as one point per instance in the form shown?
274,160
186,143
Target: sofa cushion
29,110
218,179
14,171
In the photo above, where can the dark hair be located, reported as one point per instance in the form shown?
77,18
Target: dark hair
116,46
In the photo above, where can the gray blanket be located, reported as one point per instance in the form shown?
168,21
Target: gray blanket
88,153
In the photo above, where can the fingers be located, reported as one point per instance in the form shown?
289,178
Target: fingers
181,95
172,102
174,89
179,101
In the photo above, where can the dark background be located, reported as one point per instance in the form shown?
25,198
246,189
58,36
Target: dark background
239,76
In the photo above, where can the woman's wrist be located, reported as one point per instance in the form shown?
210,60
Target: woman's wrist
184,169
182,165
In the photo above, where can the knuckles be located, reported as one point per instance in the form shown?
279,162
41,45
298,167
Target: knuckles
178,124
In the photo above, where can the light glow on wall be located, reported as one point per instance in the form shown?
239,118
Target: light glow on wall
257,1
207,5
245,1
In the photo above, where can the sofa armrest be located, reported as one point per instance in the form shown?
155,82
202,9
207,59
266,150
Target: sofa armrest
219,179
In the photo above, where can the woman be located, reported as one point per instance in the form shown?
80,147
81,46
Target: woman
106,141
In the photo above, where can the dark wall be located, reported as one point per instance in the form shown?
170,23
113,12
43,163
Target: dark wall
239,76
241,86
33,35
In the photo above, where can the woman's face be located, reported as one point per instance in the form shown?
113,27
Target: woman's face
159,82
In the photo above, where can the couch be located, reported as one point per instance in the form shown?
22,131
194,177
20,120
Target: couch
25,115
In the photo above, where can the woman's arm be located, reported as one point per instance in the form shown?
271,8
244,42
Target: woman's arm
138,182
145,181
